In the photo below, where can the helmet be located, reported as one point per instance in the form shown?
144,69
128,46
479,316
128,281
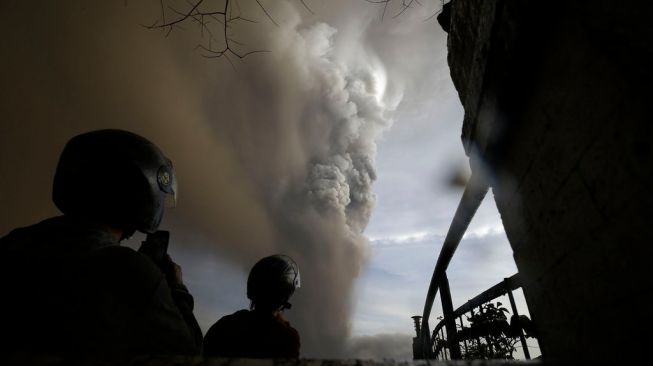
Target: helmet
114,177
272,281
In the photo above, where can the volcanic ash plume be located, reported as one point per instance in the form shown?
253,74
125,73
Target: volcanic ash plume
321,213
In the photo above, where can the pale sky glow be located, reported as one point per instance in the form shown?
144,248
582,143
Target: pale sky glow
402,238
485,231
393,286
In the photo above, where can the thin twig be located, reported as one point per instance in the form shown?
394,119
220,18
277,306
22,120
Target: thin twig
211,16
404,7
266,13
307,8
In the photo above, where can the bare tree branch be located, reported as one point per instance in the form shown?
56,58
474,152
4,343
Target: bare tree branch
215,19
307,8
211,16
203,13
266,13
385,5
404,5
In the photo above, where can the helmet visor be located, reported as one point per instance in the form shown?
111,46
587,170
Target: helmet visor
298,282
167,180
292,271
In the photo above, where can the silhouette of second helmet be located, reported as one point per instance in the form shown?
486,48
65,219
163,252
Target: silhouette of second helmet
114,177
272,281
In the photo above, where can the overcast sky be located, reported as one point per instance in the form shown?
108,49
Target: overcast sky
349,123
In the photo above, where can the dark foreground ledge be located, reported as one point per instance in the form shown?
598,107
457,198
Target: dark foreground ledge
199,361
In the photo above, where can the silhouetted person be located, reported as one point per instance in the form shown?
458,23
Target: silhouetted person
70,288
260,332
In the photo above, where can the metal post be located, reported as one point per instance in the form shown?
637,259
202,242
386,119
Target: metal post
513,305
444,349
425,340
449,320
418,351
539,346
475,191
478,339
464,340
417,319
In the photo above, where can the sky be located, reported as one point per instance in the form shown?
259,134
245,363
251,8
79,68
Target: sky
337,146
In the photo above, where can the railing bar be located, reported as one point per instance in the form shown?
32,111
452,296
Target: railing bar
449,319
444,348
472,198
515,313
478,339
490,294
462,326
439,325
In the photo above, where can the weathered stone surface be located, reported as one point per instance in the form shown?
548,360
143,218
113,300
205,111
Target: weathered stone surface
557,104
468,77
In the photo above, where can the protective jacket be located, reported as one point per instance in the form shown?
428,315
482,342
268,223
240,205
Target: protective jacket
252,334
72,289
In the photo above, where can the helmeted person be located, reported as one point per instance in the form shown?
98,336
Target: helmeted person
70,287
260,332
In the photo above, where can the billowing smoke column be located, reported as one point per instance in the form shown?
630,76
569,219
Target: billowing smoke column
339,185
340,178
321,211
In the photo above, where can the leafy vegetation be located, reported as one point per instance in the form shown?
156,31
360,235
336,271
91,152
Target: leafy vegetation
489,334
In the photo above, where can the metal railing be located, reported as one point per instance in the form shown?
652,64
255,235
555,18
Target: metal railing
441,344
427,345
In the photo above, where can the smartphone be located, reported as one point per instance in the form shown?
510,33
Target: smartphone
155,246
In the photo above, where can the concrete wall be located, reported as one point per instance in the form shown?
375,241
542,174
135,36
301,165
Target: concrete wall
558,103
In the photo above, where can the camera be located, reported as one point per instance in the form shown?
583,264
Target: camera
155,246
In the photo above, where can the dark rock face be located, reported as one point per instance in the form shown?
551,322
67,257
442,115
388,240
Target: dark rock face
556,99
444,18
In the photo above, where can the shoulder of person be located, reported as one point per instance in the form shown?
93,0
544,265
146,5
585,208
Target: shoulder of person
26,234
123,267
243,313
230,321
223,327
126,258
